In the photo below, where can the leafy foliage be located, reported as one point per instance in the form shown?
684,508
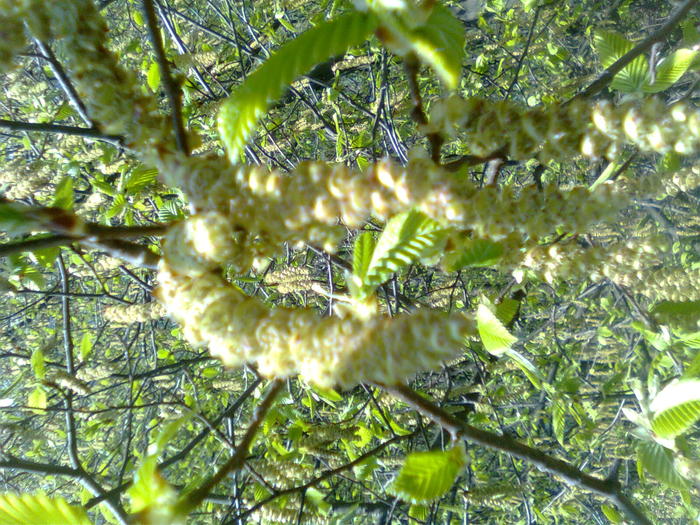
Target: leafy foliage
241,111
427,476
676,407
39,509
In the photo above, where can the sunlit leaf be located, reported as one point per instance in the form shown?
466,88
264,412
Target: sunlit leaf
63,195
406,238
440,44
671,69
658,461
676,408
39,509
495,337
473,253
427,476
241,111
153,76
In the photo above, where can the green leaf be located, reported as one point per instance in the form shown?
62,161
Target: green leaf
533,373
241,111
673,312
37,399
170,211
558,421
140,178
671,69
676,407
610,46
474,253
506,310
38,364
407,238
86,346
153,76
15,218
117,207
362,254
658,461
611,513
39,509
63,196
427,476
495,337
440,44
152,496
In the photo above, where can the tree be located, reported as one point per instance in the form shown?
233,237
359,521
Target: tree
426,262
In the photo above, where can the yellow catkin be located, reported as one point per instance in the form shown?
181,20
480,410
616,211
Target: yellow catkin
284,342
290,279
267,208
135,313
583,127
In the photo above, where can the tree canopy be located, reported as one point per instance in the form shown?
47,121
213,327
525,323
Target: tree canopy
332,261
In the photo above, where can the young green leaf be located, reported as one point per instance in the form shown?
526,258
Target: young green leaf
427,476
37,400
63,196
407,238
610,46
140,178
240,112
495,337
475,253
676,407
39,509
152,498
153,76
362,254
671,69
440,44
658,461
38,365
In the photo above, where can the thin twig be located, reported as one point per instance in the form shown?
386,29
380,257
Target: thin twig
607,76
411,65
64,130
171,88
64,81
609,489
321,477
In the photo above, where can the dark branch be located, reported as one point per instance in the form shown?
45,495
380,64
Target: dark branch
609,489
171,88
64,130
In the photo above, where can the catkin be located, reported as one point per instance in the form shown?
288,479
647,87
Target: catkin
561,131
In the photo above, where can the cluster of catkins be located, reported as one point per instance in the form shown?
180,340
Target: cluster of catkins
343,350
246,212
261,209
562,131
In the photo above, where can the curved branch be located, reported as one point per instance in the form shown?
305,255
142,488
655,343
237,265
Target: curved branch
607,488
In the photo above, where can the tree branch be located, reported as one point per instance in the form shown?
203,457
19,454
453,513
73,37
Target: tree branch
609,489
194,498
71,434
65,130
171,88
64,81
607,76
